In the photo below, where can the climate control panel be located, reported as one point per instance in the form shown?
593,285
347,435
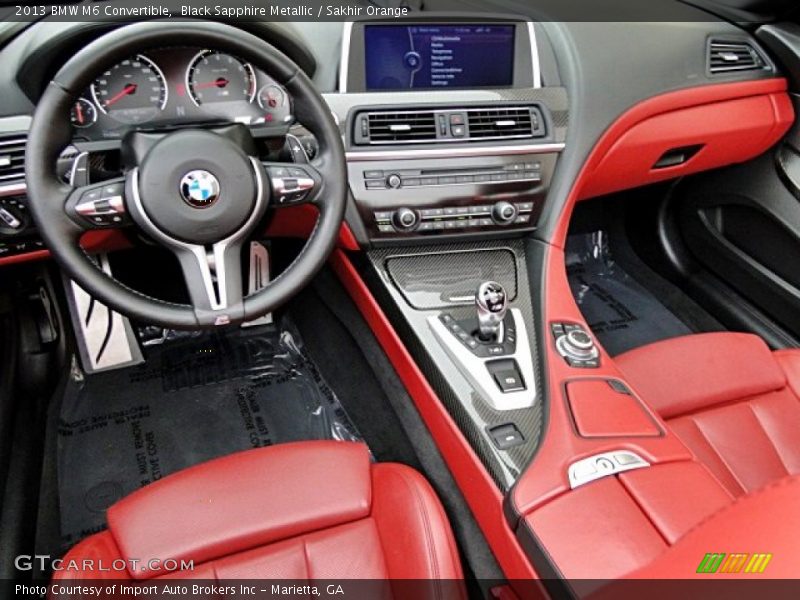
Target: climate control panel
454,218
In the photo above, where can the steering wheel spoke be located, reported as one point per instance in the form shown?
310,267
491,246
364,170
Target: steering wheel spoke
213,276
99,205
292,183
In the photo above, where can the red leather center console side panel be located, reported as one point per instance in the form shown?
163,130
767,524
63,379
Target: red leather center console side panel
600,411
269,494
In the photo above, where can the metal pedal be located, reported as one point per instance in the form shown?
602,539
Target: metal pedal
259,278
105,338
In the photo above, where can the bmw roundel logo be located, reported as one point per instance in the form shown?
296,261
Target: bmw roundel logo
199,188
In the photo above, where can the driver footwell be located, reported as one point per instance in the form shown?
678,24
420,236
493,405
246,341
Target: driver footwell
197,397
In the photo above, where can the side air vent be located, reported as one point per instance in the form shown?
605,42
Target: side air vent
467,124
12,159
727,57
401,127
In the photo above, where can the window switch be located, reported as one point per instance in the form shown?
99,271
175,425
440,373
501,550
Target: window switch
506,436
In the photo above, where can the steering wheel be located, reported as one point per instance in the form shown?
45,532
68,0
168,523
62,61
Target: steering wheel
198,192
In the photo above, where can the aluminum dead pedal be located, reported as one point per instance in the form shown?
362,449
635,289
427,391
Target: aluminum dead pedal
106,339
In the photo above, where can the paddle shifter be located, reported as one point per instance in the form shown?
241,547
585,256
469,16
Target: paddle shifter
492,304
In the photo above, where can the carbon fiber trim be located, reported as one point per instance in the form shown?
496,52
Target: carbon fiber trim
427,283
472,414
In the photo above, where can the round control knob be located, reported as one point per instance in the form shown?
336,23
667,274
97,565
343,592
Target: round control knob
394,181
405,218
504,213
580,340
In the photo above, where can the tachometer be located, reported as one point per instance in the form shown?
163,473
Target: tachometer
215,76
133,91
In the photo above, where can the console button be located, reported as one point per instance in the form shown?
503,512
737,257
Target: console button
506,436
406,219
458,130
504,213
373,174
509,380
394,181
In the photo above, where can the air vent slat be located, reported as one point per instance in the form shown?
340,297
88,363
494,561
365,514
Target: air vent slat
12,159
725,57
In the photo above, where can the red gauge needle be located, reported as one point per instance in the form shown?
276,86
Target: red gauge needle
220,83
128,89
79,110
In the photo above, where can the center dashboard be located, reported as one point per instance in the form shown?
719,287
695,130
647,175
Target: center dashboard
450,130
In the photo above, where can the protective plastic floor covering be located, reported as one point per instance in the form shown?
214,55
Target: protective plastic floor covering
619,310
196,398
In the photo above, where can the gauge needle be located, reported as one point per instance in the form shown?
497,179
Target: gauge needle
220,83
128,89
79,110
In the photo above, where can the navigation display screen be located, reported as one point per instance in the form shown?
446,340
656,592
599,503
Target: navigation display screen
423,57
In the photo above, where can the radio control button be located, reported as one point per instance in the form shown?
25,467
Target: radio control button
406,219
504,213
394,181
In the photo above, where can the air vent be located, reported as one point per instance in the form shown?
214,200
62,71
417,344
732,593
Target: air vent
495,123
401,127
12,160
442,125
726,57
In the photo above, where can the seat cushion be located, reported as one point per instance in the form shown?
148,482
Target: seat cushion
730,400
308,510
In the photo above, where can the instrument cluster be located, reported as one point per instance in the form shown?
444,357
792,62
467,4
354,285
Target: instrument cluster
177,86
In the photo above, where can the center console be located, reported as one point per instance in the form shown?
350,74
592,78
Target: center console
453,125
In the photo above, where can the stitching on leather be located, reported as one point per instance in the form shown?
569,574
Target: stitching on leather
793,480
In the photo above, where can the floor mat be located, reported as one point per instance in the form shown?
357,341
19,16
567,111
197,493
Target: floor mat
619,310
196,398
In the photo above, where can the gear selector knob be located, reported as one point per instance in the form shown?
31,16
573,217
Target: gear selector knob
492,304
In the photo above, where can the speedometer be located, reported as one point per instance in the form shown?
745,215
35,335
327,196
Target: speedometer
215,76
132,91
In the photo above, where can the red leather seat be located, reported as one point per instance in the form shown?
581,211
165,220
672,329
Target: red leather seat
731,400
309,510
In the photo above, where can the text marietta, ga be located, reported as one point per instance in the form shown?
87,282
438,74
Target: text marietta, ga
174,590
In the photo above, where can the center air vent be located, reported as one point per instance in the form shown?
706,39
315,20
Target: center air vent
448,125
727,56
12,160
401,127
503,123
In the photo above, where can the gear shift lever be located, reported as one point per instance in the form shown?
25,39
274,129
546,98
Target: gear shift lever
492,304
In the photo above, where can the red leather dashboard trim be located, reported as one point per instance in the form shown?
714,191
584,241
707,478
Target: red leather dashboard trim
610,152
728,132
294,222
480,492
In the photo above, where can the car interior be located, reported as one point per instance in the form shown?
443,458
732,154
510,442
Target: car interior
478,297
